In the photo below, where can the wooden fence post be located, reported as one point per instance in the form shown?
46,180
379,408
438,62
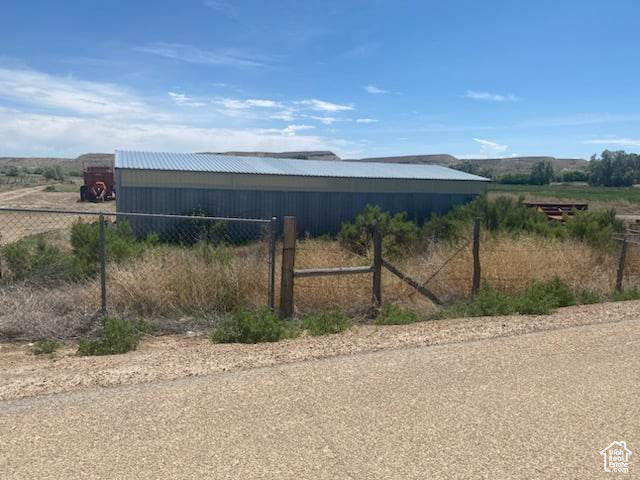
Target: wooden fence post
621,263
377,268
475,281
288,262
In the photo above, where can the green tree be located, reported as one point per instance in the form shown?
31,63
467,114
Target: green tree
54,173
541,173
614,169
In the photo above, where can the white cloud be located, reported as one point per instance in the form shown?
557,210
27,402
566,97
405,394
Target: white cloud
52,115
323,106
366,120
191,54
37,134
375,90
67,93
284,115
185,100
263,103
222,7
490,148
238,104
49,115
328,120
292,129
619,142
492,97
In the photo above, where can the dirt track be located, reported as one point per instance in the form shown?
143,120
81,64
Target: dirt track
170,357
15,225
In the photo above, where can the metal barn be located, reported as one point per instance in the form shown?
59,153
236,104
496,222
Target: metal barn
321,194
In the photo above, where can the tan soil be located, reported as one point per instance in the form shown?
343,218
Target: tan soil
23,374
15,225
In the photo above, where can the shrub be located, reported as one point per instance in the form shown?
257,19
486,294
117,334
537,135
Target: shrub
121,245
44,347
487,302
397,231
514,179
594,227
587,297
633,294
50,188
117,335
191,232
325,323
53,173
539,298
555,293
574,176
12,171
35,258
507,215
392,314
253,326
502,214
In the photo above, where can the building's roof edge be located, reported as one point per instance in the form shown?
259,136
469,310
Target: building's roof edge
215,163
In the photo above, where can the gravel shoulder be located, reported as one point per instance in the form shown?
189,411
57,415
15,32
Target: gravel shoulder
170,357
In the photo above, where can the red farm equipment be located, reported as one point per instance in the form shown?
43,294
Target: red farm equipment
98,182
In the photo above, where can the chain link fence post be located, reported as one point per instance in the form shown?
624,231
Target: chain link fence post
103,266
272,263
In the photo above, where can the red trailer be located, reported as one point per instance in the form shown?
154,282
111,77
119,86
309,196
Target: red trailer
98,182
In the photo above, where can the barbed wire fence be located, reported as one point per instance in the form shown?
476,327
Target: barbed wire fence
62,270
329,275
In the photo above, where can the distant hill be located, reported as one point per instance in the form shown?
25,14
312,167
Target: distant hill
438,158
67,164
488,166
302,155
497,166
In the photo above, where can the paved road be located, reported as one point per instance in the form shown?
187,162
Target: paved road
531,406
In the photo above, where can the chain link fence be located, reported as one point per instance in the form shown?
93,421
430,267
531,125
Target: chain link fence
61,270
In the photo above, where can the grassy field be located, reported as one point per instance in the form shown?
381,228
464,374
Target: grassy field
623,199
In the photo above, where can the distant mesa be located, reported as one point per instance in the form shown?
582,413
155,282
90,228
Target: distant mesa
497,166
494,166
302,155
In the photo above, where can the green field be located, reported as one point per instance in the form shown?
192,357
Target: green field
624,199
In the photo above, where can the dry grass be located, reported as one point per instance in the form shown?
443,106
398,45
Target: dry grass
508,264
31,313
174,283
169,281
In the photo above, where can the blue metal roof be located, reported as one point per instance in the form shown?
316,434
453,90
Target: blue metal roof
210,162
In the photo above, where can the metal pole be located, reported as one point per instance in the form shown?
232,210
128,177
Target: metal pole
103,266
475,281
377,268
621,263
272,263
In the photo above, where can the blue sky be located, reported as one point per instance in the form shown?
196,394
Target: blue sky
361,78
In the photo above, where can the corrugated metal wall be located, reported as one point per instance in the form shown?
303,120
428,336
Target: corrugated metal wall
317,212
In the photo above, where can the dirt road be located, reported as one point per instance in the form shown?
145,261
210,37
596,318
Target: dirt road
11,195
539,405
